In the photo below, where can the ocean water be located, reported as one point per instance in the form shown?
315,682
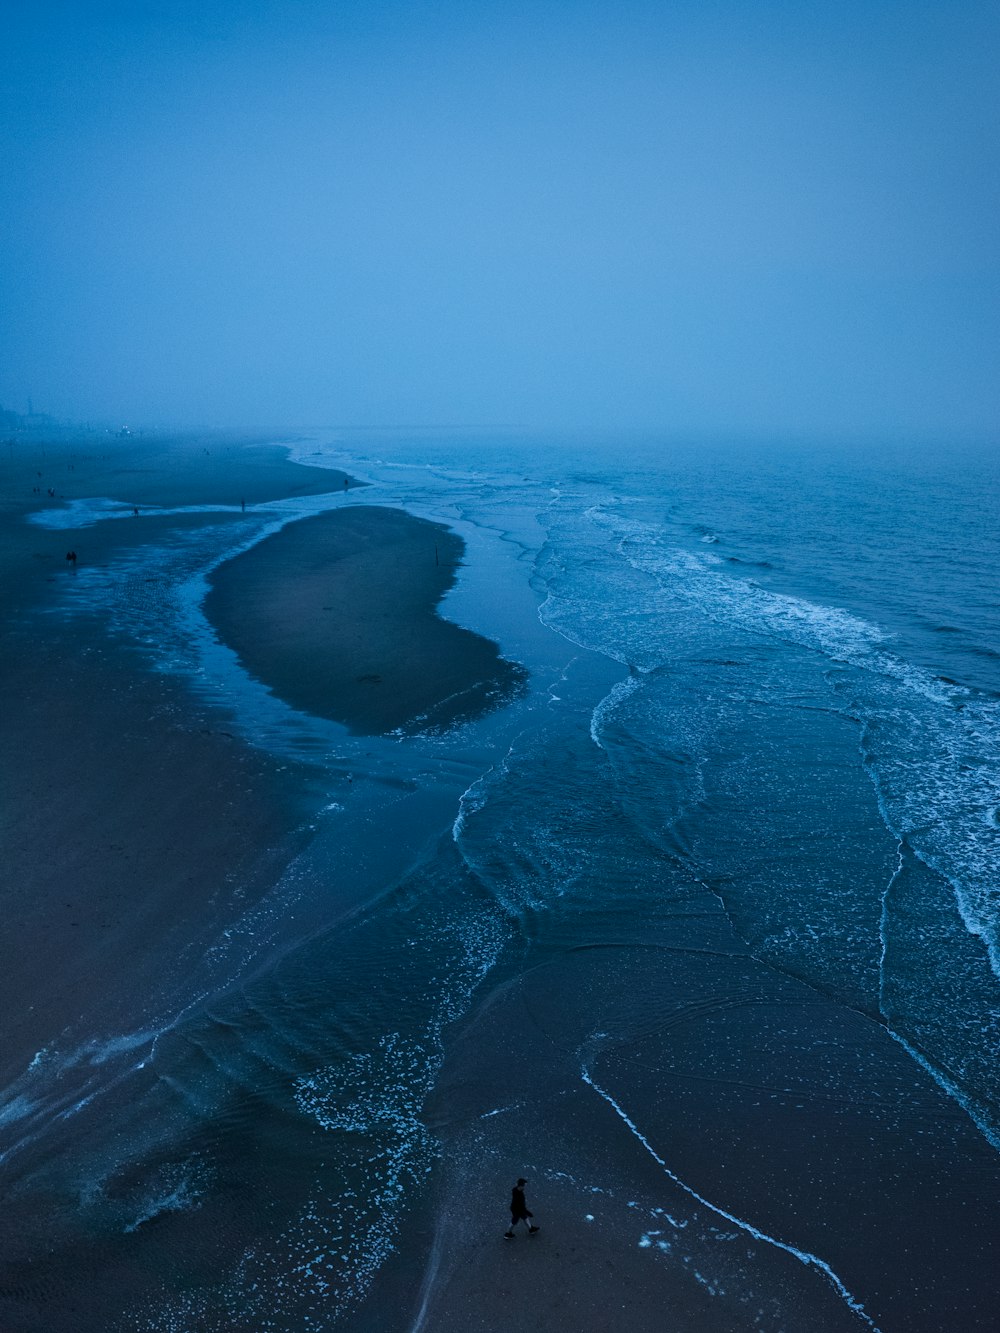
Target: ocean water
738,846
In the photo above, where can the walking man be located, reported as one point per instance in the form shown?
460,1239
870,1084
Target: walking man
519,1211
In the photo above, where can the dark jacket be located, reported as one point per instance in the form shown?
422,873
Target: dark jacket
518,1207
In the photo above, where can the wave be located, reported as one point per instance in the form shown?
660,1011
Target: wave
176,1188
928,729
86,513
929,747
617,695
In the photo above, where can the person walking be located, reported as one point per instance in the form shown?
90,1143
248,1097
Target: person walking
519,1211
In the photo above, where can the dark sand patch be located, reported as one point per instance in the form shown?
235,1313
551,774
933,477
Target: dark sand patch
129,829
336,615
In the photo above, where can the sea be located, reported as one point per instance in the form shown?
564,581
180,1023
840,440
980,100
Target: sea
724,876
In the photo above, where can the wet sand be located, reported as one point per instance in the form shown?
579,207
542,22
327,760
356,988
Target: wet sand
622,1241
132,822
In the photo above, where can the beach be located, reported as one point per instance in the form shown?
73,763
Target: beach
368,846
137,826
129,818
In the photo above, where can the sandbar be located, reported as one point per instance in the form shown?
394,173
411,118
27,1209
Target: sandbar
336,614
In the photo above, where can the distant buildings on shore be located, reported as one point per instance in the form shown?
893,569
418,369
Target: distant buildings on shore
13,424
25,421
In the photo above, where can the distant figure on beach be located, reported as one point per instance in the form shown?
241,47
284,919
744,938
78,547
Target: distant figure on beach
135,510
519,1211
71,557
345,483
243,506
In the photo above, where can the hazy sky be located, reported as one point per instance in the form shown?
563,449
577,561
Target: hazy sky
747,217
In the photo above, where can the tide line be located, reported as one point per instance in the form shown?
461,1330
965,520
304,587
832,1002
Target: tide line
949,1086
803,1256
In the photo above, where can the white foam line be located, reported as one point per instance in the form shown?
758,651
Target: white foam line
946,1084
803,1256
950,1087
428,1283
616,695
972,922
468,797
883,923
502,1110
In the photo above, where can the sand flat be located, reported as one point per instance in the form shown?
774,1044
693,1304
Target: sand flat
337,614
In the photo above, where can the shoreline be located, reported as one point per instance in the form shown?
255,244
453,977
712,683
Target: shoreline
135,822
137,825
129,808
130,815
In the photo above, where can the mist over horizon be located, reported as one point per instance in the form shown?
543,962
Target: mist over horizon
700,219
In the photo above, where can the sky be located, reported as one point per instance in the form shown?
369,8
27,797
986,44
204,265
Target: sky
701,216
